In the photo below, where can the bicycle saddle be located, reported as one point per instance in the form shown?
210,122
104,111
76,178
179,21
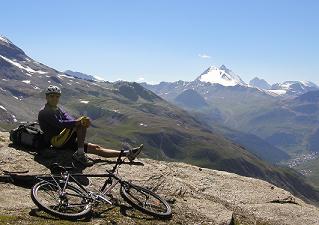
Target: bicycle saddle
56,168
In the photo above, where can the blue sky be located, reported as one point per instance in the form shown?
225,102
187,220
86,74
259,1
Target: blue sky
167,39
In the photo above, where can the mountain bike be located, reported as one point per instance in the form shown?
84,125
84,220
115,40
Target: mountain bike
61,194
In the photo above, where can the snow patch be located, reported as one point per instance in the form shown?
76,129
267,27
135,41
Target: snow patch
222,76
26,81
14,118
278,92
6,40
98,78
96,84
28,69
63,75
41,72
2,107
308,83
287,84
84,102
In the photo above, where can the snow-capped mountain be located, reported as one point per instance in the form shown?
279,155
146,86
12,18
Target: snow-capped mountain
214,78
221,75
293,88
213,83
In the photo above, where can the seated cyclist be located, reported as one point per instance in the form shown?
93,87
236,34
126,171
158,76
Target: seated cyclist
63,131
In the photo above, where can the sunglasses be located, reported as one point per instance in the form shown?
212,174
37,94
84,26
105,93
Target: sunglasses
54,96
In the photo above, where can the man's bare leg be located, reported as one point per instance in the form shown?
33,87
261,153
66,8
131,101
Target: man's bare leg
79,155
93,148
99,150
104,152
81,133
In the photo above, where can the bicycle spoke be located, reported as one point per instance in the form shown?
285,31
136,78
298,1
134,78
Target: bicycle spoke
49,194
156,207
140,203
71,202
76,205
53,193
145,199
76,195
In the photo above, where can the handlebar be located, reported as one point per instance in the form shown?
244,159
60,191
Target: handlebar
56,168
119,161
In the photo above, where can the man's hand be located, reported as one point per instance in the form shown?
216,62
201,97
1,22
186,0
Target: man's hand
86,122
78,122
83,121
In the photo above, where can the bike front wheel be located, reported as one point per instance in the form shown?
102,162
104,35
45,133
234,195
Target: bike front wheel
72,204
145,200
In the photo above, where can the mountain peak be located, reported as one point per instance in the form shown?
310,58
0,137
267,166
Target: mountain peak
5,40
221,75
9,50
259,83
223,67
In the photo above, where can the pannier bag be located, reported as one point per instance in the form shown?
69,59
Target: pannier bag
27,135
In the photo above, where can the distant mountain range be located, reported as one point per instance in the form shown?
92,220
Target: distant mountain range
125,111
223,76
285,116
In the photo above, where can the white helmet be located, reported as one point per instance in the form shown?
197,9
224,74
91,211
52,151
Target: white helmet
53,90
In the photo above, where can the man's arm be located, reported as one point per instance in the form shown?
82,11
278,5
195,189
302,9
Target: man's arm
52,120
78,121
66,116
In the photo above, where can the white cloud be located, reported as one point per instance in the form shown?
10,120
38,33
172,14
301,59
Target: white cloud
204,56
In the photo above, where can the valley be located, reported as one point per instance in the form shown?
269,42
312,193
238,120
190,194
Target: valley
278,122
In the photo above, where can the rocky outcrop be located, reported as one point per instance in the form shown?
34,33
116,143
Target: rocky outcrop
197,195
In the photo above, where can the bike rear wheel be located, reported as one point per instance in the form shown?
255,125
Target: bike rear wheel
145,200
73,204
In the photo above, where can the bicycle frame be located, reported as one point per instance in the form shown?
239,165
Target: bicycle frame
113,180
87,199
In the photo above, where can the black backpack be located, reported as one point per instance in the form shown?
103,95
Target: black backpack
28,135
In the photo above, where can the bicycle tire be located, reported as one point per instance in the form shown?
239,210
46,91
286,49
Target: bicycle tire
35,198
125,190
